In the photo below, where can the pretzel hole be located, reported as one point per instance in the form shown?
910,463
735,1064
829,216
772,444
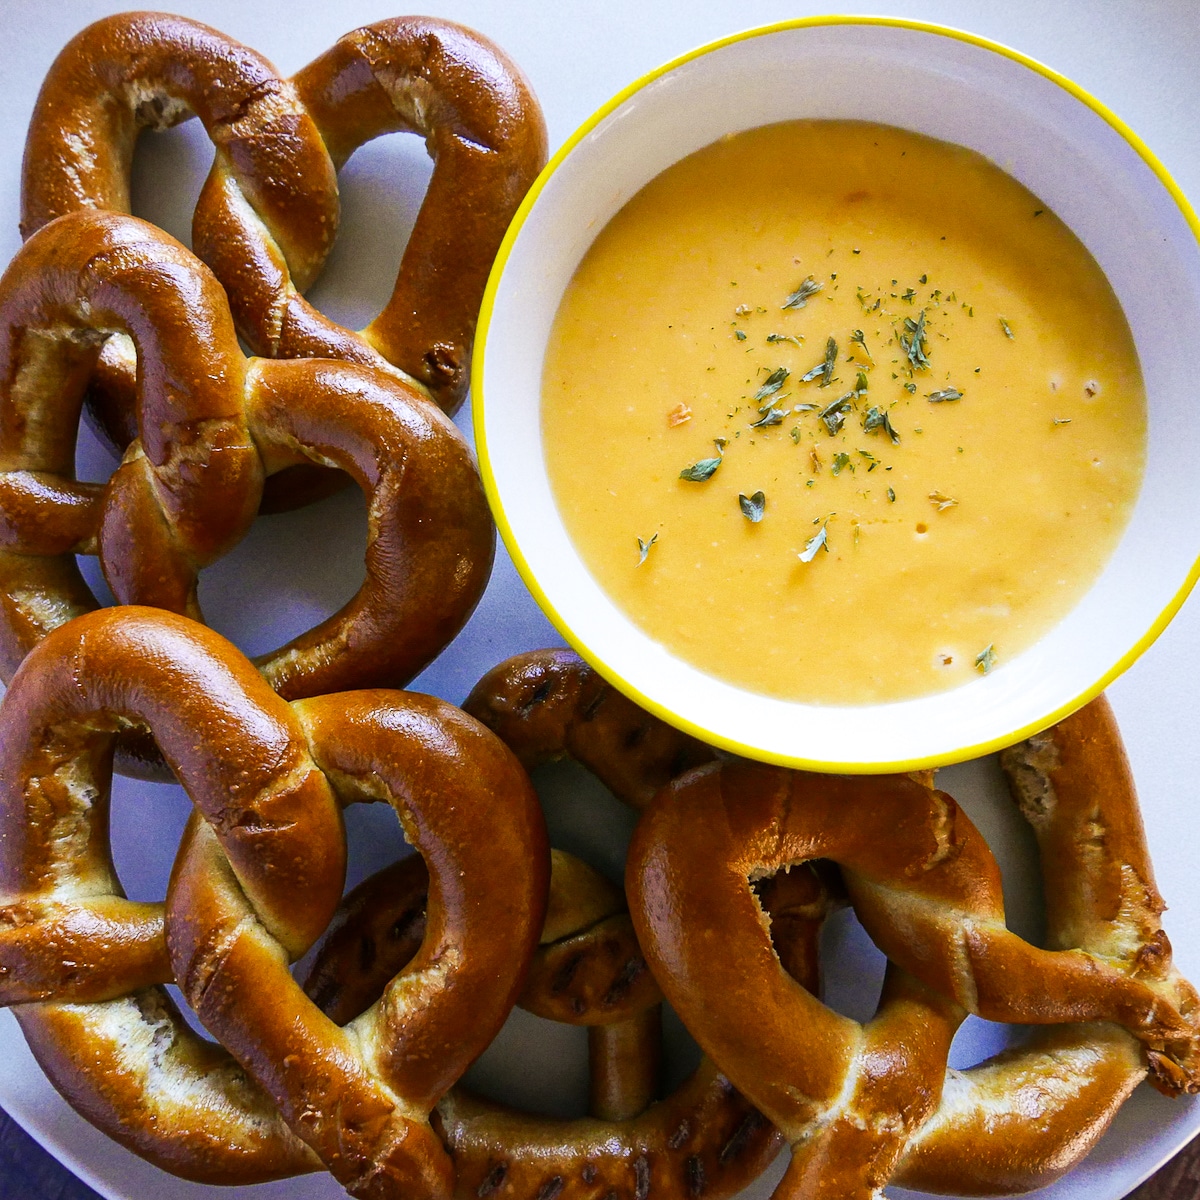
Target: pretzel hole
169,169
146,825
541,1065
381,189
290,572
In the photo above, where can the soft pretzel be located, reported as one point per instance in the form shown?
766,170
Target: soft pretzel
704,1139
213,424
863,1105
549,704
268,213
588,970
257,878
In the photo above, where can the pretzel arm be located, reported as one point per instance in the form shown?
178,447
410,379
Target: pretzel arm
135,71
254,781
704,1140
549,704
485,133
134,1068
430,535
1025,1116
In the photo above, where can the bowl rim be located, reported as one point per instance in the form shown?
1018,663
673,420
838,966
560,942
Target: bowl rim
711,736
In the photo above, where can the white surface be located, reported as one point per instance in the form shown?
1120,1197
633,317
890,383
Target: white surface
1073,160
1141,59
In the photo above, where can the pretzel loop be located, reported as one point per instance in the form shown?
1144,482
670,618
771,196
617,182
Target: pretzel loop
268,213
257,876
189,489
867,1104
215,424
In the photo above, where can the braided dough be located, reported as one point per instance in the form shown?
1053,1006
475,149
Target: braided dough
214,424
863,1105
258,876
267,216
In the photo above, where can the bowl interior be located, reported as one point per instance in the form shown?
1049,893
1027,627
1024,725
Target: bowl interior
1078,161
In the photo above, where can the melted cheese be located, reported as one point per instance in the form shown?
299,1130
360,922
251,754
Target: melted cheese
947,548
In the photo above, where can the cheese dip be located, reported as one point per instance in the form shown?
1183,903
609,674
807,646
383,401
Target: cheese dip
842,414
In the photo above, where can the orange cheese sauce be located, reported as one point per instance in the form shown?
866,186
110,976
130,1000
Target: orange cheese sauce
933,500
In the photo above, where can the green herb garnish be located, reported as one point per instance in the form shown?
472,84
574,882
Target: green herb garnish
841,460
801,296
644,548
1008,333
858,338
914,345
1062,420
773,383
891,495
782,337
823,369
834,414
941,501
950,393
877,418
815,543
773,416
698,472
752,507
740,335
985,660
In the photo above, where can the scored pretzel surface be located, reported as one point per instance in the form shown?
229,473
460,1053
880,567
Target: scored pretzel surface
214,424
268,213
867,1104
257,877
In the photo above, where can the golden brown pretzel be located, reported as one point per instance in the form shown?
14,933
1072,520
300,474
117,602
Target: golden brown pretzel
214,423
268,214
549,704
257,878
865,1105
703,1140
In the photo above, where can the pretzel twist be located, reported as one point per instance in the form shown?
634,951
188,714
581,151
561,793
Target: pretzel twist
213,425
863,1105
268,214
704,1139
258,875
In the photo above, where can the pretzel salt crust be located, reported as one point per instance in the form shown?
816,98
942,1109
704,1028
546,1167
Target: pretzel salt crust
865,1105
258,875
213,425
268,214
704,1139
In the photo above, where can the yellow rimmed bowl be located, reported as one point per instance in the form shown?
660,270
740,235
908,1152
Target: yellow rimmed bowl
1066,148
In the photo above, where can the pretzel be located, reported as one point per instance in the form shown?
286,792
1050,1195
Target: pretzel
704,1139
865,1105
588,970
268,213
549,704
213,425
258,875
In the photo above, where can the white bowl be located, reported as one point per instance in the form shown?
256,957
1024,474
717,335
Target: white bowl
1050,135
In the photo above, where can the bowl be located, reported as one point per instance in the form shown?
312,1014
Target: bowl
1045,131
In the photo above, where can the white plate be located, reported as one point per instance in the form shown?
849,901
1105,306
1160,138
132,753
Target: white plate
1140,60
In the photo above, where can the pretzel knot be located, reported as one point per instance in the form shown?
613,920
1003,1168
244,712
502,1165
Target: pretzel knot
704,1139
268,213
258,875
863,1105
212,425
